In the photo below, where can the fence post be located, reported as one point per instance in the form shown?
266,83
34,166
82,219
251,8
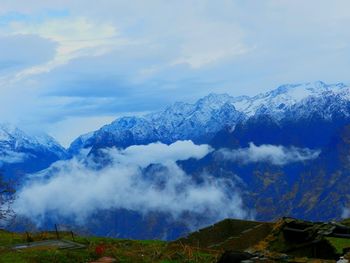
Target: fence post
57,234
72,235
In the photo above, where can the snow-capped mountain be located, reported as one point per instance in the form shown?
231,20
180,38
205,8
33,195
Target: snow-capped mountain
13,138
198,122
286,97
294,119
201,120
21,152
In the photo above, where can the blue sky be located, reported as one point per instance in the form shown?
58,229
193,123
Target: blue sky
67,67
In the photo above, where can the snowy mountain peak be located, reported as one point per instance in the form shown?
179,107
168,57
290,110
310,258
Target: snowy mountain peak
9,131
283,97
300,91
22,153
14,139
50,143
214,100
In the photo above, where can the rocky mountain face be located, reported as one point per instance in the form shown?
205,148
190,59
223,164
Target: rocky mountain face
313,189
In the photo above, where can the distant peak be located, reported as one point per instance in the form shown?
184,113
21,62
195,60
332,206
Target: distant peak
216,96
283,88
341,85
313,87
8,127
319,83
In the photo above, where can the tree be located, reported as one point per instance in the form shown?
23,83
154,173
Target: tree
7,194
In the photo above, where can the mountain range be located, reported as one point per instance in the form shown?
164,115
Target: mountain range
286,150
200,121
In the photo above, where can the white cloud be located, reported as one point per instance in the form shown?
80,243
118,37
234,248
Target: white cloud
7,156
75,189
75,37
206,42
274,154
345,213
143,155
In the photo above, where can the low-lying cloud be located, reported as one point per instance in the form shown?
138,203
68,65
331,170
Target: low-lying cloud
345,213
8,156
139,178
274,154
157,153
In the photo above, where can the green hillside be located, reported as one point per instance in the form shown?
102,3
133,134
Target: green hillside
96,247
229,234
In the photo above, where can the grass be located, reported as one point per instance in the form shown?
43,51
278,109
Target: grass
218,232
122,250
339,243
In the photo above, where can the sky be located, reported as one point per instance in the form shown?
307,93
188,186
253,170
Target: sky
67,67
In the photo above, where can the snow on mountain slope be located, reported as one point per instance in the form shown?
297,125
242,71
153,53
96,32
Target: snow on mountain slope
188,121
277,101
210,114
180,121
16,145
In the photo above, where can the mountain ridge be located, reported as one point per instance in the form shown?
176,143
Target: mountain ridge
200,120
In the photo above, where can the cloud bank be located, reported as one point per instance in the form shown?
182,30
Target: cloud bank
274,154
140,178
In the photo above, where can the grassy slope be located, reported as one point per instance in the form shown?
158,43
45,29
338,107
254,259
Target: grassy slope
184,250
229,234
122,250
339,243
